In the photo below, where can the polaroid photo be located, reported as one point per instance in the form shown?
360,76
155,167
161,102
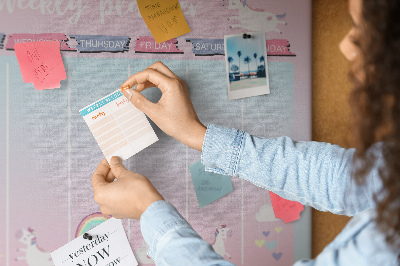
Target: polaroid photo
246,65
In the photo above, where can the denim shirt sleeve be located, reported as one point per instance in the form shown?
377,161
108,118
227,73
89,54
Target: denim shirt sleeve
172,241
312,173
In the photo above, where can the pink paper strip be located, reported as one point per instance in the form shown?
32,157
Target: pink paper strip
279,47
147,44
28,37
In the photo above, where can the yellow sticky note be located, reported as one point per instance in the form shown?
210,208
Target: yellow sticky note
164,18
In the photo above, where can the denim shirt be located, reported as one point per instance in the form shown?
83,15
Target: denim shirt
312,173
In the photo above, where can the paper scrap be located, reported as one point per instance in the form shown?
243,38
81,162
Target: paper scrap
118,126
209,186
108,246
164,18
41,63
284,209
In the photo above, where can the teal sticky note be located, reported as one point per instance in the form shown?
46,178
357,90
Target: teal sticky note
209,186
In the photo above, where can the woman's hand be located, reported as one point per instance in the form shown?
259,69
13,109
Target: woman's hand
127,197
173,113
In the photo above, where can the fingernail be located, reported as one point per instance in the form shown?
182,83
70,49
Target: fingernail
115,160
129,94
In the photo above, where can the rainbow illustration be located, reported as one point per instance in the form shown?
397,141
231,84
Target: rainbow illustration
90,222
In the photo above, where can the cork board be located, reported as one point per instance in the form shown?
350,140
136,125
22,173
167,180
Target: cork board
331,89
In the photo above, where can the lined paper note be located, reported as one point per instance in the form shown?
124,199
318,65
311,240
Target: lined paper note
118,126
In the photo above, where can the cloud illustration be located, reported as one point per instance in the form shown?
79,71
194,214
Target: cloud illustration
266,214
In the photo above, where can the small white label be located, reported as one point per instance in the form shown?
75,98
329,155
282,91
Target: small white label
109,247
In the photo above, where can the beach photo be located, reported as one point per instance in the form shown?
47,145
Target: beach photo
246,65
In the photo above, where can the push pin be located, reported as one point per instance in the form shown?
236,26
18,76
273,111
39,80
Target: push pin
87,236
246,36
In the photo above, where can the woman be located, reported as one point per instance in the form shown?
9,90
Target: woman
362,182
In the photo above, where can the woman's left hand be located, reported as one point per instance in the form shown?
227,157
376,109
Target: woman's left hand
127,197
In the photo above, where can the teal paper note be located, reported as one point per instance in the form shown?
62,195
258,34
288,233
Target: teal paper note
209,186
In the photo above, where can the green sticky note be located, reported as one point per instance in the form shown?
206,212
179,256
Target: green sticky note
209,186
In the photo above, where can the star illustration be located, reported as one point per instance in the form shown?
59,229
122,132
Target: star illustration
269,18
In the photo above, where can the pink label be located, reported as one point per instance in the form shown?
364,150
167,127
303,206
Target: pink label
26,37
279,47
147,44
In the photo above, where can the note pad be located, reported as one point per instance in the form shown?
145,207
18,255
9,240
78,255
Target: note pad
118,126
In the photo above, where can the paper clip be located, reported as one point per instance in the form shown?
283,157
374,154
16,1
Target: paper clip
246,36
87,236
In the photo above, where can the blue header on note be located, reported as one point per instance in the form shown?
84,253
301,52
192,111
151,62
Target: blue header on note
100,103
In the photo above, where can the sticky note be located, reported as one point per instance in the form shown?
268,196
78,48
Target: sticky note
209,186
164,18
41,63
108,246
118,126
284,209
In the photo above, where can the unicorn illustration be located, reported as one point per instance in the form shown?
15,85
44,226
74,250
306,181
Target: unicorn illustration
254,19
219,245
35,256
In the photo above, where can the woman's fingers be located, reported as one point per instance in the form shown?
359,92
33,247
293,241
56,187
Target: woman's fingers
153,76
142,86
100,174
160,67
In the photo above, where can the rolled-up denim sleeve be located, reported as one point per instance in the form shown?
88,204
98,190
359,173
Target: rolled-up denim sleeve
312,173
172,241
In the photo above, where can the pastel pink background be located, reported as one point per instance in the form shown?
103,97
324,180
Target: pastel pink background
207,19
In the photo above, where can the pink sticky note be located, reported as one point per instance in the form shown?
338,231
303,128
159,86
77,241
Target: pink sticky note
41,63
284,209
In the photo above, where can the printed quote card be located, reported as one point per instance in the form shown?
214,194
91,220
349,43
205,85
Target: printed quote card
108,246
118,126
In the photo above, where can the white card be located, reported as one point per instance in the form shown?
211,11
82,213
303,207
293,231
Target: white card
118,126
109,247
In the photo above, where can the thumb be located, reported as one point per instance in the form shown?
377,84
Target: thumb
117,167
138,100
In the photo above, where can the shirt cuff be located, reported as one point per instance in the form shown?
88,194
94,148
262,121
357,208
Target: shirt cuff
158,219
222,148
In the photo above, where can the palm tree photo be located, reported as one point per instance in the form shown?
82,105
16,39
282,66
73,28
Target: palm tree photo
247,60
255,58
239,53
230,60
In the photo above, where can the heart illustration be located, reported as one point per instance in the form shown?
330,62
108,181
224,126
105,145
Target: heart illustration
259,243
271,245
277,256
266,233
278,229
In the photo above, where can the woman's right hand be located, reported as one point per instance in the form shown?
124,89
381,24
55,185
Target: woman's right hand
174,112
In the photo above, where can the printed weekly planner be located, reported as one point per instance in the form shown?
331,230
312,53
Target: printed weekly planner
52,140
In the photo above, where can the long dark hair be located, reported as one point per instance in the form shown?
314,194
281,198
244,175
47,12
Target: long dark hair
375,103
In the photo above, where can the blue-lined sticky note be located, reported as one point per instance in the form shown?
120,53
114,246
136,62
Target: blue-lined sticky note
209,186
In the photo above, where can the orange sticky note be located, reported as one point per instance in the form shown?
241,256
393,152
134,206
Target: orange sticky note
284,209
164,18
41,63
